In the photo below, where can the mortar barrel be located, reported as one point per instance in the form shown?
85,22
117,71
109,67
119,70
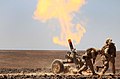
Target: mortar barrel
70,44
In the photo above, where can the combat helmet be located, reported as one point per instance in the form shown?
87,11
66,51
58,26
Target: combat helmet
108,40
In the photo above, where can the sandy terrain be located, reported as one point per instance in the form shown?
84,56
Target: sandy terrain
29,62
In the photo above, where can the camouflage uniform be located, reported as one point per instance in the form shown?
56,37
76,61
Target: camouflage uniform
108,55
90,53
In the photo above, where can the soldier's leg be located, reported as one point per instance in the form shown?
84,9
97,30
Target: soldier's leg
98,67
89,62
112,62
106,66
83,68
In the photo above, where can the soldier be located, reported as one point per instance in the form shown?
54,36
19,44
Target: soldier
108,55
90,53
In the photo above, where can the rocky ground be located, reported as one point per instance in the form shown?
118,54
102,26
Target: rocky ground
36,64
45,73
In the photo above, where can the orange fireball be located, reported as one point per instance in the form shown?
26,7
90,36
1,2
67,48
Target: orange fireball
62,10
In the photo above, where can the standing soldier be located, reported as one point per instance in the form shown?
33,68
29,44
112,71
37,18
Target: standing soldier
90,53
108,55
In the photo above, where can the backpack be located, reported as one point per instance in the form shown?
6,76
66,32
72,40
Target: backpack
112,49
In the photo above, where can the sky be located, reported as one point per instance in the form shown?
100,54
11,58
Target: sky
20,31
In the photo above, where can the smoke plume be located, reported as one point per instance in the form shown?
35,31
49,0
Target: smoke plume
63,11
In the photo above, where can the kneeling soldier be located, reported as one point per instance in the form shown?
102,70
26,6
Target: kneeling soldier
87,58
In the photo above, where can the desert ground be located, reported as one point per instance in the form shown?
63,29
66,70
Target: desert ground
36,64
